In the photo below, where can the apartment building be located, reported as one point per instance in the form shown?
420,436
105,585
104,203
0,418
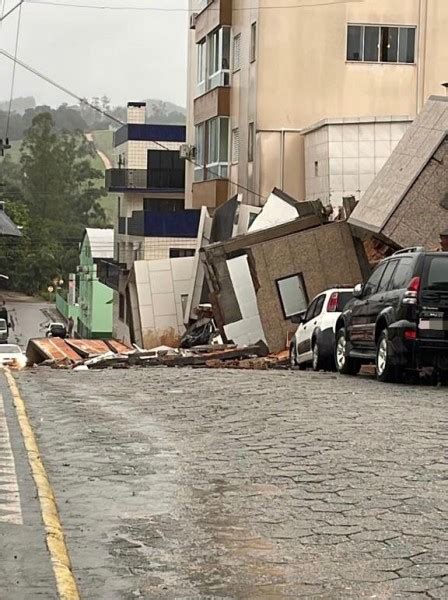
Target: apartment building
309,97
153,229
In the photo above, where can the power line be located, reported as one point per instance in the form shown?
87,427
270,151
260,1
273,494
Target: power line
115,119
4,15
173,10
19,18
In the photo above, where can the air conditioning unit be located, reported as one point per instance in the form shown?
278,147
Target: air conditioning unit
193,18
187,151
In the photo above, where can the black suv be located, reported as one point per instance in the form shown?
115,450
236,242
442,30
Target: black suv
399,318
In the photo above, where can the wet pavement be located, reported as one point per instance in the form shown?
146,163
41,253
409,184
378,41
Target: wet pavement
199,484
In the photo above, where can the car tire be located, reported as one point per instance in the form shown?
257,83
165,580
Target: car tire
318,363
292,356
345,365
386,371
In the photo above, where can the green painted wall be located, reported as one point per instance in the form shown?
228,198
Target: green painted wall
94,299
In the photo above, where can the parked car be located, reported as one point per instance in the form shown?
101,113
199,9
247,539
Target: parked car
56,330
12,356
313,342
399,317
3,331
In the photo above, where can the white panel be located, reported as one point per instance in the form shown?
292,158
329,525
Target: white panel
161,282
164,305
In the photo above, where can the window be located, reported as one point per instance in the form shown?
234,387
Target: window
212,149
403,274
319,306
250,142
163,204
201,66
437,274
374,43
218,147
235,145
121,307
218,52
373,281
310,311
237,53
385,280
253,42
316,168
181,252
292,295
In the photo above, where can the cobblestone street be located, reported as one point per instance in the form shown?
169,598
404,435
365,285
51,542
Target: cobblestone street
250,485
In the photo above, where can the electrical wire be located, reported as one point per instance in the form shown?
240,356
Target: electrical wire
4,15
99,110
13,79
173,10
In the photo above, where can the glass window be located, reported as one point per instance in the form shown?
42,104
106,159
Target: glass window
292,295
251,142
200,154
354,42
319,306
213,53
310,311
343,298
223,140
373,281
253,42
371,44
225,48
389,44
385,279
235,145
403,274
218,147
201,64
407,45
437,274
237,52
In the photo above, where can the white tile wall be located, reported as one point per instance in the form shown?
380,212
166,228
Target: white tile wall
349,155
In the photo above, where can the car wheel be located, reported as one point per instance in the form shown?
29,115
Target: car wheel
345,364
317,363
292,356
386,371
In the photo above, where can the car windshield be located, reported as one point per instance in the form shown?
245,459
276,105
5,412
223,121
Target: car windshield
9,349
438,274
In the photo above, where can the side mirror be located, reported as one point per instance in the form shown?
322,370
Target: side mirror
358,290
297,319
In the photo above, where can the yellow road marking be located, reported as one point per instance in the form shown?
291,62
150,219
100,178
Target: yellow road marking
65,580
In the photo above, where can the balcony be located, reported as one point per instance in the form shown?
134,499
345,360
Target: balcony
179,224
108,272
138,180
215,14
212,104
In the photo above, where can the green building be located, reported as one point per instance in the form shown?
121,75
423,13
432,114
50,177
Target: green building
94,299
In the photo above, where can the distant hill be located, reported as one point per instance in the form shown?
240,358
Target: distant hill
19,105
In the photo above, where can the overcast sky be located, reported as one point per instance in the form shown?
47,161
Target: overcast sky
127,55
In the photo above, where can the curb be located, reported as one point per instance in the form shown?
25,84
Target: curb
62,569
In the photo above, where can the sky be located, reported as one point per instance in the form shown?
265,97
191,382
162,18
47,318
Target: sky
126,55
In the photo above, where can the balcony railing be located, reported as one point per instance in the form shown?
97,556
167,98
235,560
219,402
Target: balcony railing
183,223
119,180
108,272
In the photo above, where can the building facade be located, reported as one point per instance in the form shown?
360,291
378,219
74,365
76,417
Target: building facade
152,229
261,78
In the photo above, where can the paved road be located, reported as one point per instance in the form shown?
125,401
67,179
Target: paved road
197,484
29,316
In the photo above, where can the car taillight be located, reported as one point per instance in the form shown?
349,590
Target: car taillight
333,302
410,334
411,294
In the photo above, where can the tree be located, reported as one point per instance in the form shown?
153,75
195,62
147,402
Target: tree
54,200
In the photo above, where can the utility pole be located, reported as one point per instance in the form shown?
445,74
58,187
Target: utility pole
4,146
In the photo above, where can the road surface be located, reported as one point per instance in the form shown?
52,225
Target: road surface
30,316
195,484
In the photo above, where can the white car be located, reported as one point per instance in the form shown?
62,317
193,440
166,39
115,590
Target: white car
12,356
313,342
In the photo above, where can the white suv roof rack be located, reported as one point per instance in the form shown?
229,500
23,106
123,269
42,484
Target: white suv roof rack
409,250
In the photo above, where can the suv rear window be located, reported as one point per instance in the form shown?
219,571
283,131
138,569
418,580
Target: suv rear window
437,273
403,274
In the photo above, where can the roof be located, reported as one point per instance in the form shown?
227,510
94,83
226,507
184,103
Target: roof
7,227
404,166
101,242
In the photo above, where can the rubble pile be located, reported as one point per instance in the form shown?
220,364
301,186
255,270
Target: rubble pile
81,355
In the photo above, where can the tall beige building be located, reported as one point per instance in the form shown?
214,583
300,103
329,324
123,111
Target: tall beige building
310,96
